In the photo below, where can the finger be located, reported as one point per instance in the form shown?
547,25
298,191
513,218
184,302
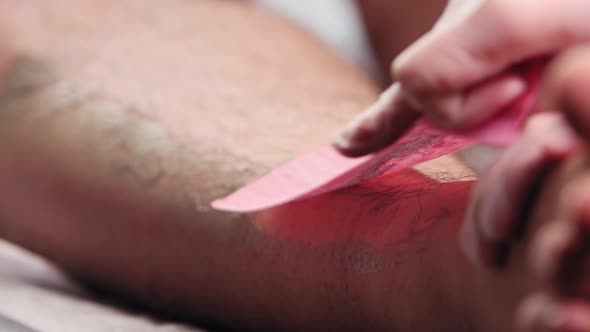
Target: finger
499,202
529,313
566,88
500,33
378,126
561,253
485,100
551,255
546,313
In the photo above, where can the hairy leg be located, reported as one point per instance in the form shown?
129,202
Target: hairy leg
122,121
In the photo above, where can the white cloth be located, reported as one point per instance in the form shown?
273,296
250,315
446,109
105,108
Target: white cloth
338,23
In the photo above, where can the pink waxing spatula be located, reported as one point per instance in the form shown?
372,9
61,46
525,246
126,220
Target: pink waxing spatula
325,170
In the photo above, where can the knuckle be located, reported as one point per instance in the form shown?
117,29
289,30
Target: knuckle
505,16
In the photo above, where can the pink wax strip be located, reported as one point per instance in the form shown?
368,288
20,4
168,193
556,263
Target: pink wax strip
326,170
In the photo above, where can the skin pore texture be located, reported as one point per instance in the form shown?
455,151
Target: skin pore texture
121,121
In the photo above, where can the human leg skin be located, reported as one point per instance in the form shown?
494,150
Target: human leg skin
122,121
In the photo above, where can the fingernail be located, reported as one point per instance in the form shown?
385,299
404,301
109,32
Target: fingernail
340,142
352,141
363,131
515,88
343,143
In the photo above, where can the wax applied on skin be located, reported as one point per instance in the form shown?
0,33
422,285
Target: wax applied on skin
326,170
